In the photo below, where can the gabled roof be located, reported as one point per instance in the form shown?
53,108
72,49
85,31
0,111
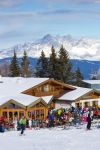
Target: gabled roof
12,102
75,94
45,100
67,86
37,101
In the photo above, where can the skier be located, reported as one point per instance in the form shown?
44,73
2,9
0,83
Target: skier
22,124
89,120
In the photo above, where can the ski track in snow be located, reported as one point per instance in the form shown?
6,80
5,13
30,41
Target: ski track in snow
54,139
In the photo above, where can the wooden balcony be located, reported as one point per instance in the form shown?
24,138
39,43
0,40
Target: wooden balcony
54,93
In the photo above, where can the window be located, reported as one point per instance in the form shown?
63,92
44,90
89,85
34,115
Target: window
46,88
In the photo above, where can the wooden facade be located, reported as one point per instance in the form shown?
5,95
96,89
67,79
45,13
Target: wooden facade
51,87
90,99
11,110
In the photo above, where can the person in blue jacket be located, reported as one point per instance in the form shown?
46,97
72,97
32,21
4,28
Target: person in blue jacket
51,119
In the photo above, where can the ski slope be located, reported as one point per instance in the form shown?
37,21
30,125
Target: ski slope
54,139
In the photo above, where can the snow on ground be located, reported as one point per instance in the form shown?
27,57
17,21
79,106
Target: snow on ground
51,139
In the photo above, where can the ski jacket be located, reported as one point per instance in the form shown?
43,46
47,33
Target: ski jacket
22,121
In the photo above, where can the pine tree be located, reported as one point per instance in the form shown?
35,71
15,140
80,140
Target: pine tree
65,67
78,77
25,70
42,66
53,64
14,67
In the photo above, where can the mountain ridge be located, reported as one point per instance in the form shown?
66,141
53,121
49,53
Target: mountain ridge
78,48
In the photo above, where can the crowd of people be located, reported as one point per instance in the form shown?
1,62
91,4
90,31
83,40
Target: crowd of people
56,117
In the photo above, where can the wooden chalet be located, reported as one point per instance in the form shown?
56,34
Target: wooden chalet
31,97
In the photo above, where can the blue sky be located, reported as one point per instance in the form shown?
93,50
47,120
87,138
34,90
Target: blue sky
27,20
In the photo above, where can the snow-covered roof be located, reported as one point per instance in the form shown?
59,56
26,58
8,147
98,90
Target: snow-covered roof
24,99
20,98
75,94
16,85
92,81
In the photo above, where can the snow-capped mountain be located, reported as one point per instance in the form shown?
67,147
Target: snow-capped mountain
83,48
